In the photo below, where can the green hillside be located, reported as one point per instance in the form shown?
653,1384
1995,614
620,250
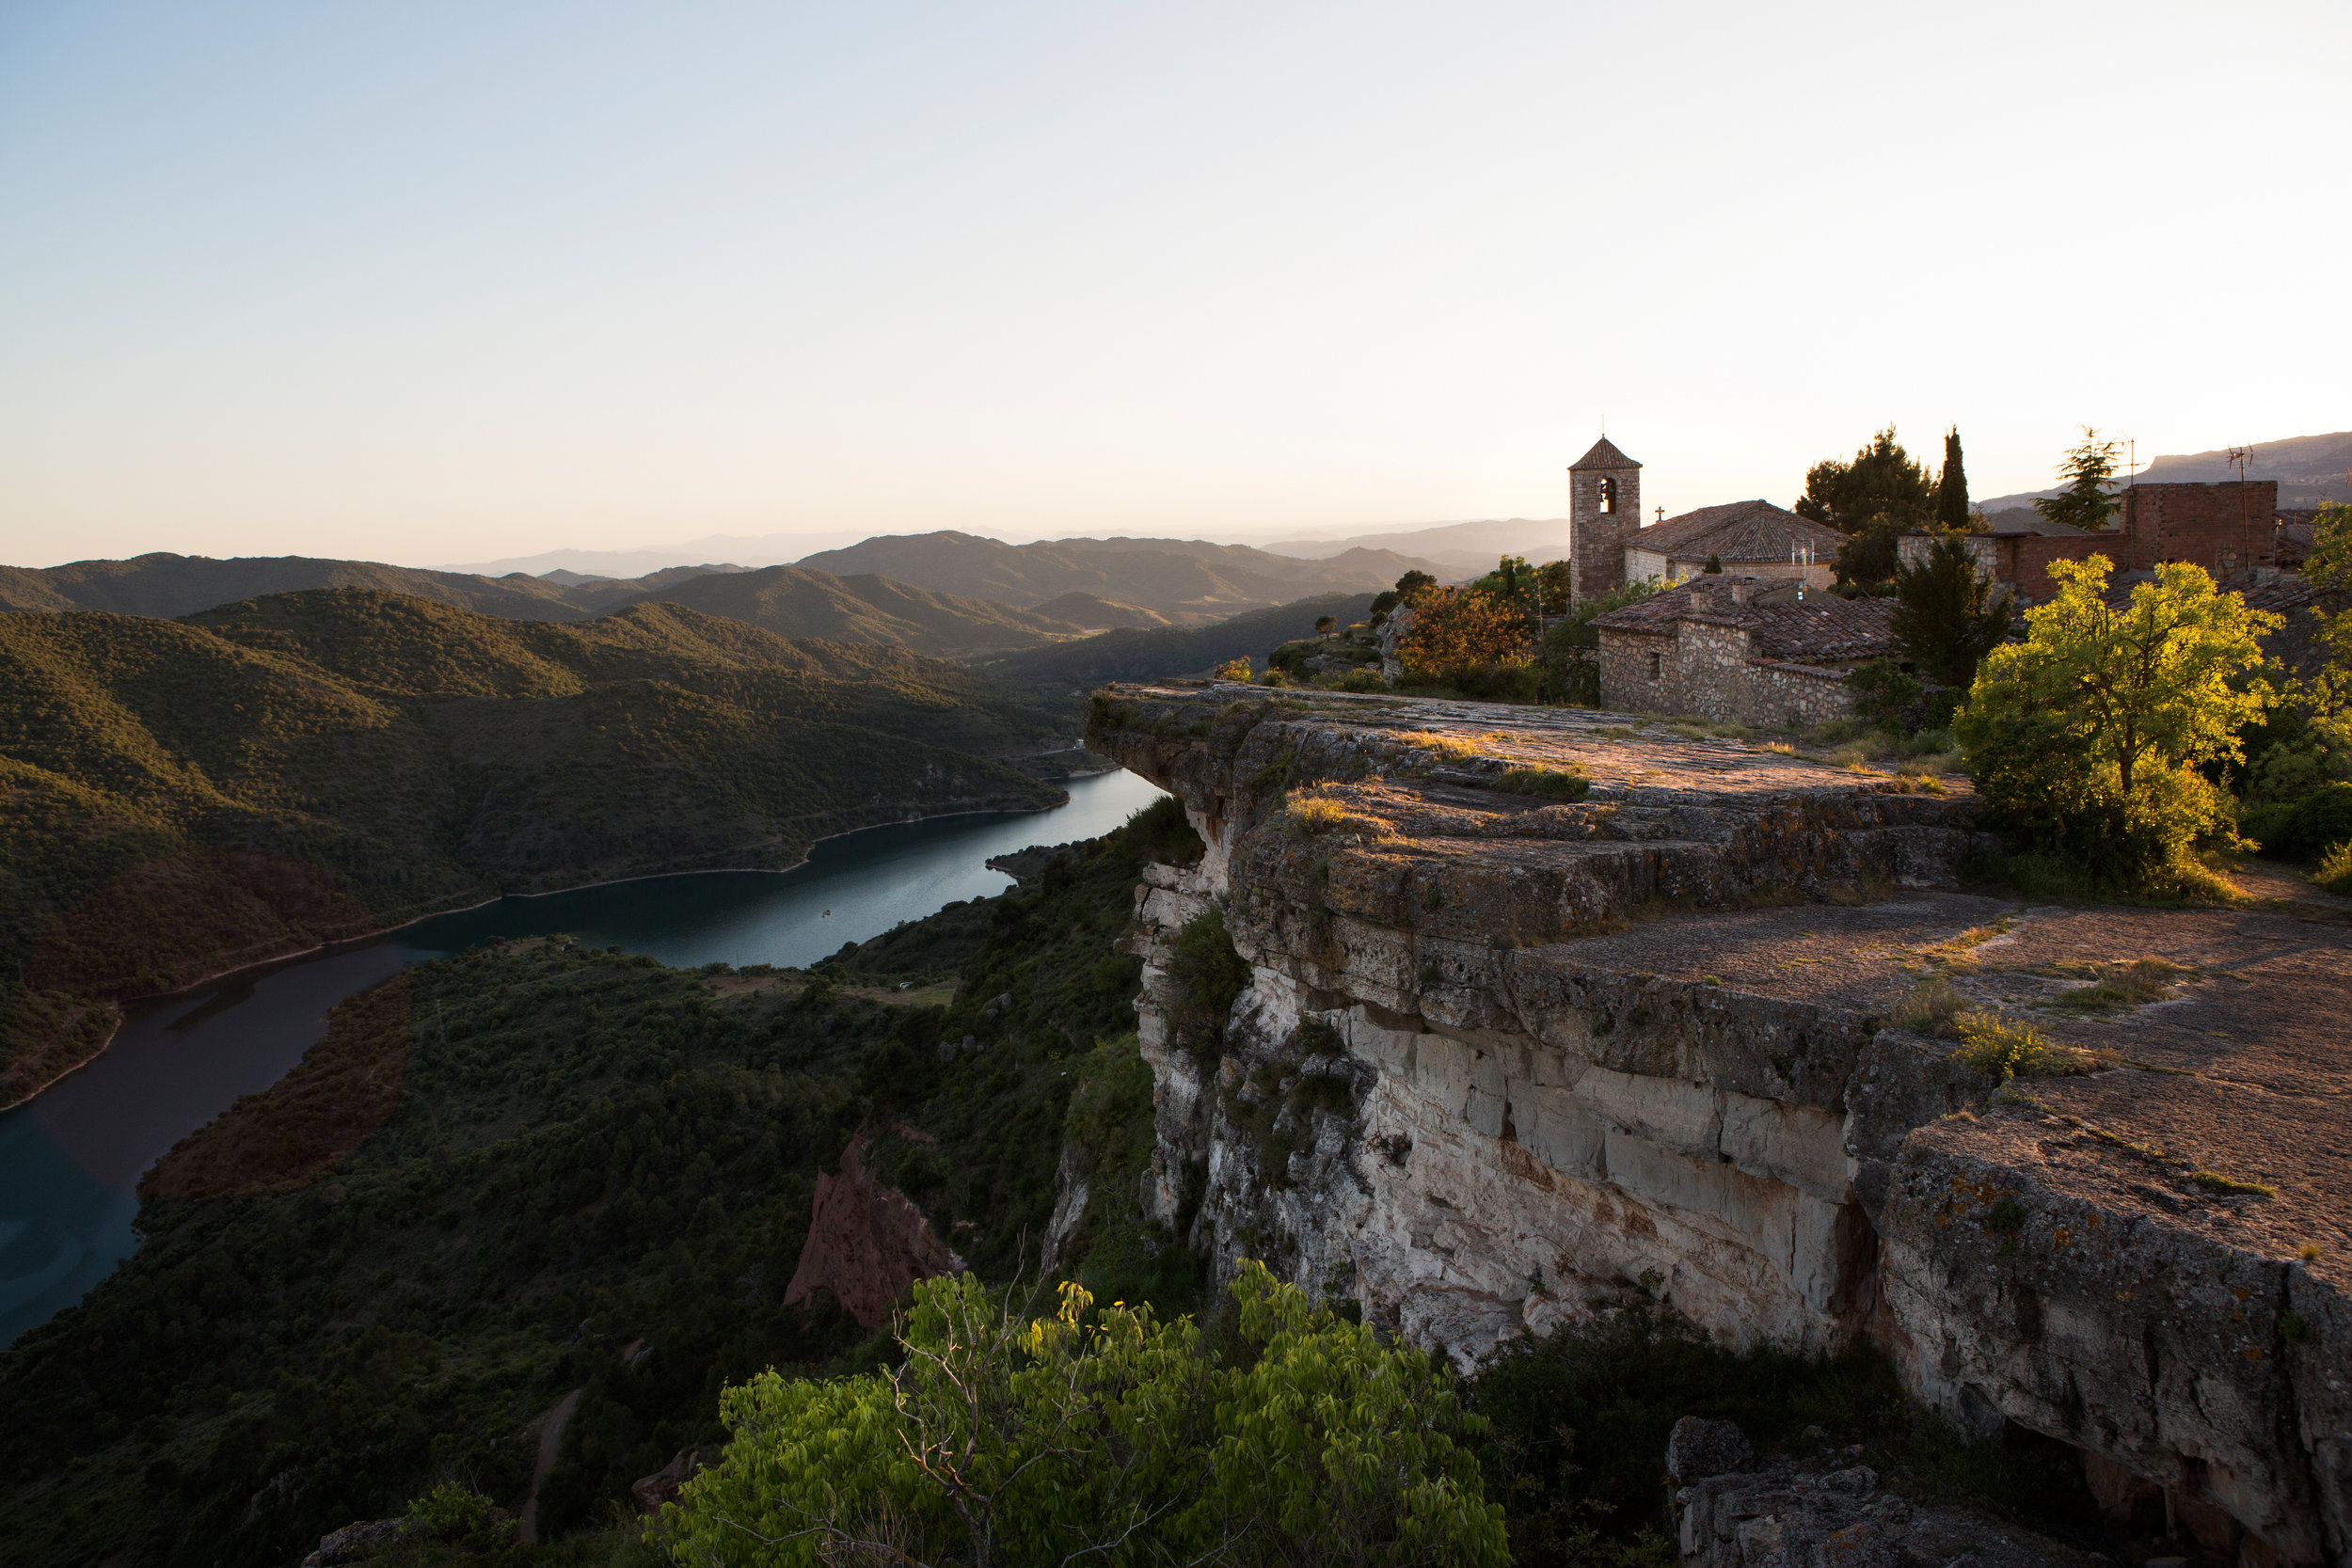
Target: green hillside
182,796
793,601
167,585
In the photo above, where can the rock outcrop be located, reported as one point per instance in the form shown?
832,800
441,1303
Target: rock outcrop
867,1244
1546,1007
1737,1512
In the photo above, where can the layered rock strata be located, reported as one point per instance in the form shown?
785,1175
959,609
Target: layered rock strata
1512,1046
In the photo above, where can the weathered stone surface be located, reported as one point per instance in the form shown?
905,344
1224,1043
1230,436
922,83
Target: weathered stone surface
1784,1514
1697,1449
1639,1042
354,1542
867,1244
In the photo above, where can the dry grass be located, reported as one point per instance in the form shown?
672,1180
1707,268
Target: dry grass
1321,816
1930,1007
1936,763
1444,745
2119,988
1560,784
2214,1182
1778,748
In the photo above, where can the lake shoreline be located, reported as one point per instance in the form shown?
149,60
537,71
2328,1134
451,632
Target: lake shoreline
118,1005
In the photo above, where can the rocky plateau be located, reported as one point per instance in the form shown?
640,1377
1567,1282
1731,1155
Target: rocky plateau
1546,1007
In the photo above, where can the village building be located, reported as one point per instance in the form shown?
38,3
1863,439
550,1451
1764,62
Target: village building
1608,547
1741,649
2233,531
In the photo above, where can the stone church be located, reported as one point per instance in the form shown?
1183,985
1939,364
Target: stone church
1608,546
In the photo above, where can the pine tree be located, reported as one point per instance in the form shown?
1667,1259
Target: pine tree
1951,491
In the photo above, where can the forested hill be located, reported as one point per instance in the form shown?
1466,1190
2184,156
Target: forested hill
184,797
536,1170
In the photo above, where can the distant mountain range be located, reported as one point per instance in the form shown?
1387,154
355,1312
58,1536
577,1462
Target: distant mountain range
1467,549
2311,471
1188,581
787,600
888,592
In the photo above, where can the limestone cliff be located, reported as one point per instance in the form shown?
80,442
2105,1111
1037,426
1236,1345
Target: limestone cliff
1544,1007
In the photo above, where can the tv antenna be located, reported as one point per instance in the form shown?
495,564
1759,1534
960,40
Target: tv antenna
2242,459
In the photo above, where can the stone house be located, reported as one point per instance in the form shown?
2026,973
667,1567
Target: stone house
1608,547
1751,538
1743,649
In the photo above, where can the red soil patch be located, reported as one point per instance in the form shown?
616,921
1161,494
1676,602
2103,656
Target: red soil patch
293,1132
867,1244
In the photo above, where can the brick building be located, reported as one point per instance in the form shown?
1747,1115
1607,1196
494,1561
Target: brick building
1745,649
2223,527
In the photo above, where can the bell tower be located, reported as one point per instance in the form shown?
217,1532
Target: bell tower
1604,510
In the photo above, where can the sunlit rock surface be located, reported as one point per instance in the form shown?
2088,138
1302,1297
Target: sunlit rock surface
1504,1057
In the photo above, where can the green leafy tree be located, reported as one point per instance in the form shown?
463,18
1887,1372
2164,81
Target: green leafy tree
1951,488
1882,487
1104,1437
1714,564
1413,586
1570,651
1948,615
2088,500
2086,738
1870,557
1553,580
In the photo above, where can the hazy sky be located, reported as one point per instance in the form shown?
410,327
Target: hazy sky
425,282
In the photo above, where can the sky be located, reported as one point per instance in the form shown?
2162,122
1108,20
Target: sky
430,282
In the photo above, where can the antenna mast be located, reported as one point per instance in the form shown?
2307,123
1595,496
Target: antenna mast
2242,459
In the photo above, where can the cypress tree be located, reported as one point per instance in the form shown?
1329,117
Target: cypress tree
1951,491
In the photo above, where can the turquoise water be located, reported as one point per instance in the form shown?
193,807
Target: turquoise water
70,1160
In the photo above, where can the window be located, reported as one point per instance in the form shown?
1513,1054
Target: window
1657,665
1608,494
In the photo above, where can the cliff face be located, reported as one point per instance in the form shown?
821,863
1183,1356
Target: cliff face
1512,1046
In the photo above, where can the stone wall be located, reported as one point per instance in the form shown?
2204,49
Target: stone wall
1712,671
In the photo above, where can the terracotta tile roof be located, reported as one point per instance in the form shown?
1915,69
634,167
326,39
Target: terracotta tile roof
1740,530
1603,455
1815,629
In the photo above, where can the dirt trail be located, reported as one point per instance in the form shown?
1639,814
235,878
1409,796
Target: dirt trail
551,1440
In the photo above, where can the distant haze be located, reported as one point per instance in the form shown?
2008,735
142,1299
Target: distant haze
436,282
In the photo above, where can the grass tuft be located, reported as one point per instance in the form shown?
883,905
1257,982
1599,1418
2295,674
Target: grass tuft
1993,1045
1560,784
2119,988
2214,1182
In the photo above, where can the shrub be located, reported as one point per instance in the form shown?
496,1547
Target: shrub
2335,870
1232,670
1102,1434
2003,1050
1465,639
458,1516
1206,976
1560,784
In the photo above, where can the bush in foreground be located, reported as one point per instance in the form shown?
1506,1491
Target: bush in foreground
1101,1436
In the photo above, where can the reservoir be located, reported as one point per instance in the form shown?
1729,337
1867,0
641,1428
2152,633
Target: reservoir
72,1159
